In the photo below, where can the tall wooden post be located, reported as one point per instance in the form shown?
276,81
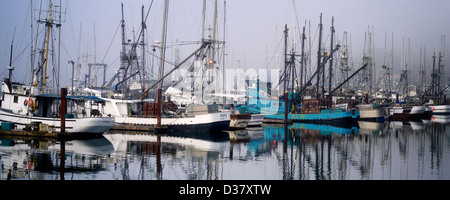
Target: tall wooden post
63,109
158,112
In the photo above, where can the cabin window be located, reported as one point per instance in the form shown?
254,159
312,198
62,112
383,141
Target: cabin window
16,99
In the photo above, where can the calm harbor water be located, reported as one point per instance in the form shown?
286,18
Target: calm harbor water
372,151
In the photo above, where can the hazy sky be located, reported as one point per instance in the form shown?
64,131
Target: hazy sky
254,28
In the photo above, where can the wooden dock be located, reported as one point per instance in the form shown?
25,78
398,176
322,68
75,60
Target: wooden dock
48,135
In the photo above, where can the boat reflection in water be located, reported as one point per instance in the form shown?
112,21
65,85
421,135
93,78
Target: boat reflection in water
442,119
33,159
373,151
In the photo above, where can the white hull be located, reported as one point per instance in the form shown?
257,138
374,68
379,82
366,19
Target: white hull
441,110
369,113
410,113
97,125
257,120
177,121
408,110
239,123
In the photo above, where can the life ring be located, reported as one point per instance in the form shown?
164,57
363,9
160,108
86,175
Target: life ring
30,102
25,102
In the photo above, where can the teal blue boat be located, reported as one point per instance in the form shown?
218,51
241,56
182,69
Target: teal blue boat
309,111
338,117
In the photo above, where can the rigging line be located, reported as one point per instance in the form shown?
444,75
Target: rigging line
158,57
140,27
148,12
110,44
278,46
26,47
20,54
64,47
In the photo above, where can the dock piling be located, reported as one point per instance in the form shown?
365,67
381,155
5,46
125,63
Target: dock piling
63,109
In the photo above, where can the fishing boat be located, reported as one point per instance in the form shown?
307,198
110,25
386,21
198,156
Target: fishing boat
373,112
311,112
20,108
256,120
240,121
201,118
407,112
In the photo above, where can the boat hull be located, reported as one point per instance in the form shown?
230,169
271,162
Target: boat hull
204,123
441,110
89,125
374,115
343,118
239,121
408,113
256,120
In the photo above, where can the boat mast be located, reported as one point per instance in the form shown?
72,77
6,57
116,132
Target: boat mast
285,78
163,43
59,49
434,77
439,75
285,73
34,78
161,64
144,26
331,60
10,67
392,65
31,47
319,56
48,24
203,20
213,52
384,66
123,55
302,61
95,58
224,50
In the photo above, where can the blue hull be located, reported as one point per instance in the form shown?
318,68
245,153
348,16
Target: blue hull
339,118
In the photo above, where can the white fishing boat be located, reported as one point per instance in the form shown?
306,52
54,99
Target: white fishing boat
20,108
372,112
256,120
204,118
239,121
407,112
